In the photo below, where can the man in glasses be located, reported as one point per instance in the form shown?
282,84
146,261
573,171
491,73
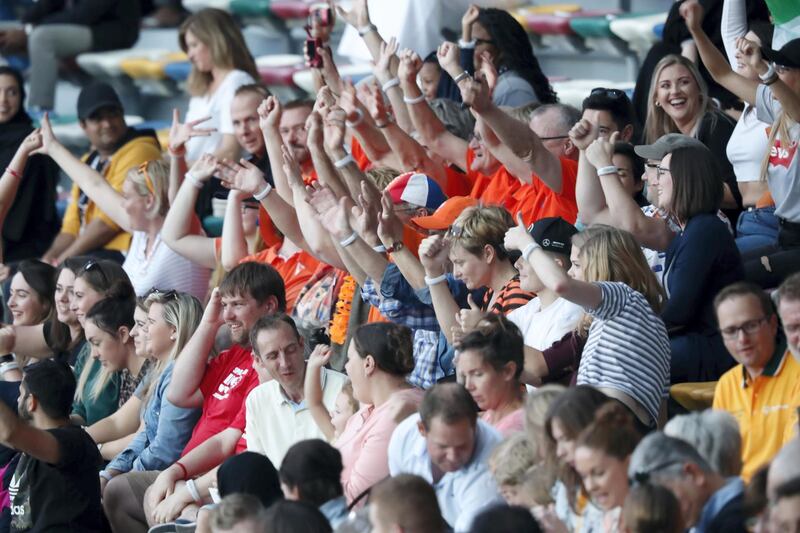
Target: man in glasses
761,392
709,502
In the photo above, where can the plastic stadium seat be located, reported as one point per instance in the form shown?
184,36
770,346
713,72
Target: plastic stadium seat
290,10
197,5
560,23
279,69
638,31
694,396
108,64
356,73
150,68
522,13
250,8
178,71
658,29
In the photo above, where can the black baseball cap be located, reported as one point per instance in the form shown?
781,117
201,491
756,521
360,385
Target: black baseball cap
96,96
788,56
553,234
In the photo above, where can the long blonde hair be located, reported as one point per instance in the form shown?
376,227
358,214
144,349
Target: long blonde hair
658,122
151,178
779,130
218,31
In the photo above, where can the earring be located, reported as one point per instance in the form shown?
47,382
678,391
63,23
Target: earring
658,104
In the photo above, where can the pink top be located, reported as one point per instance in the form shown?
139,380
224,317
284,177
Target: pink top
364,443
513,422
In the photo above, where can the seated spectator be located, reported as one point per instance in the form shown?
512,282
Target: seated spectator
490,361
714,434
761,392
115,149
167,428
614,283
602,453
277,415
537,404
378,360
784,467
239,512
785,512
649,508
58,459
448,446
286,516
219,386
519,472
139,208
611,110
505,519
311,472
788,297
58,31
406,502
708,501
249,473
28,192
331,423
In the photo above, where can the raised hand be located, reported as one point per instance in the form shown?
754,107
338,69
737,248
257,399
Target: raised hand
322,201
448,55
390,227
314,130
348,101
324,101
382,67
181,132
377,108
48,138
433,254
488,70
8,339
469,318
269,113
470,15
751,53
475,94
601,151
409,66
334,129
692,13
212,315
204,168
319,356
366,215
244,177
291,168
358,16
32,144
517,237
583,133
328,69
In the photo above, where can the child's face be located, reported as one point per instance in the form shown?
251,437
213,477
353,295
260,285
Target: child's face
429,76
514,495
342,411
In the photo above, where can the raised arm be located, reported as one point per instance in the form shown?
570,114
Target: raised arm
623,212
269,114
234,245
190,366
385,71
179,135
313,390
592,207
433,253
550,273
19,435
181,229
13,174
360,124
390,232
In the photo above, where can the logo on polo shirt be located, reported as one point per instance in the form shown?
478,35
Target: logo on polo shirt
229,383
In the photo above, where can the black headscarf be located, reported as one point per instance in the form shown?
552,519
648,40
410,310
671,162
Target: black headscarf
21,122
249,473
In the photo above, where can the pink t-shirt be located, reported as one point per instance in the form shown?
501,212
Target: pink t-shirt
364,443
513,422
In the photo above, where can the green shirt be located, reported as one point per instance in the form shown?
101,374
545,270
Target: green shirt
89,408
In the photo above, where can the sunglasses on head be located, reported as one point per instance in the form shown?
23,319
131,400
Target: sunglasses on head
614,94
166,295
644,476
94,265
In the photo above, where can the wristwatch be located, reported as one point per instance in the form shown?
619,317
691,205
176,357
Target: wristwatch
395,247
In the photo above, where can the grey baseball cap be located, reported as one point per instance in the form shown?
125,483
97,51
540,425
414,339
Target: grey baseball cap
667,144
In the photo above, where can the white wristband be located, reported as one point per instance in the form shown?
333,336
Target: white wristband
417,100
394,82
381,249
349,240
769,73
467,44
190,486
105,475
605,171
343,162
526,253
430,282
264,192
194,181
8,367
363,30
357,121
464,75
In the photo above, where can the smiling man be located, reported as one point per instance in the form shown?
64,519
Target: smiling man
760,392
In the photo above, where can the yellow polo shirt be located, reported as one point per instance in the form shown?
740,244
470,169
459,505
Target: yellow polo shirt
765,407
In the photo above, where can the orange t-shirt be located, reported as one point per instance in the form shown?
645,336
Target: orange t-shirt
358,153
458,183
537,200
497,188
295,271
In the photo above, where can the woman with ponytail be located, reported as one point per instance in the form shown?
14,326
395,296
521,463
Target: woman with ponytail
172,317
602,453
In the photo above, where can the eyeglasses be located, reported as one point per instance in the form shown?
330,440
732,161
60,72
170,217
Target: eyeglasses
642,477
147,181
651,166
455,231
554,137
750,327
164,295
661,170
615,94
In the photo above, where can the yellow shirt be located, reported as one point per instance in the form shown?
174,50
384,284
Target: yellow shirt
130,155
765,407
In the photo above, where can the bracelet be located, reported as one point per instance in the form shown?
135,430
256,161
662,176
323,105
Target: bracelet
349,240
192,488
430,282
177,153
105,475
14,173
771,80
8,367
343,162
417,100
526,253
264,192
363,30
357,121
381,249
381,125
194,181
769,73
467,44
605,171
183,469
464,75
394,82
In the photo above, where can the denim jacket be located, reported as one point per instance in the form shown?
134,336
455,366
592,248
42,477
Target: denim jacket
167,429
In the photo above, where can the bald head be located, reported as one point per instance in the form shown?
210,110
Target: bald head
784,467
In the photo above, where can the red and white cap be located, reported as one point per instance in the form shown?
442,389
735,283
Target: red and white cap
416,189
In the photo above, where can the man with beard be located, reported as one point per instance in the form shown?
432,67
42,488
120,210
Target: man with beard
220,385
55,485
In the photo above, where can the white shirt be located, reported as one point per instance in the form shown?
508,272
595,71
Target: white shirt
462,494
274,423
218,107
542,327
164,269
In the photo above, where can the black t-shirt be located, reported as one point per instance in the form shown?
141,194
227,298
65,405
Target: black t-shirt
59,497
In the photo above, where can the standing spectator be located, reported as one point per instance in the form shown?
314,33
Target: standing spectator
448,446
116,148
58,458
28,229
406,502
57,29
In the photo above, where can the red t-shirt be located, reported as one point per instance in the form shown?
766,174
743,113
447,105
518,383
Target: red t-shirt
239,423
228,380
